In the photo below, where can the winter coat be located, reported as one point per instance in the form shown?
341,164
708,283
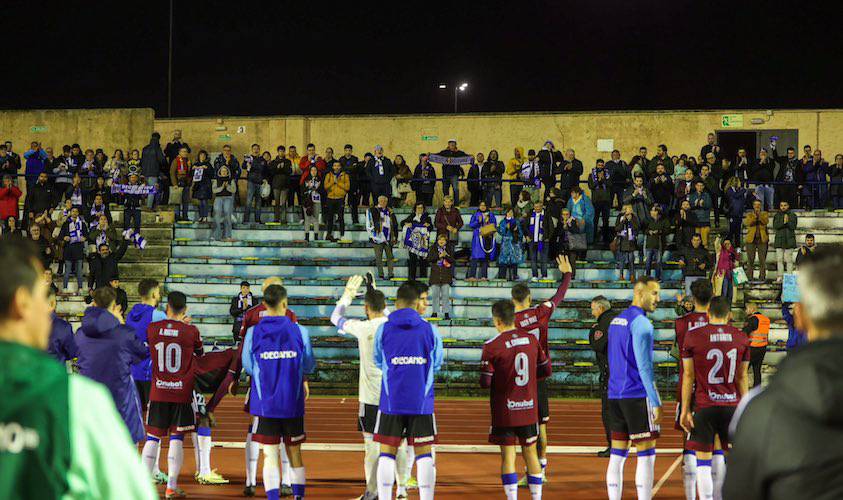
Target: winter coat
152,159
583,210
836,174
36,162
74,250
107,351
736,201
483,248
570,177
619,173
256,168
601,188
104,269
491,172
701,207
440,272
785,231
656,232
549,165
424,179
511,244
39,198
693,258
513,168
756,224
279,171
202,187
662,191
445,218
641,203
627,231
9,197
373,172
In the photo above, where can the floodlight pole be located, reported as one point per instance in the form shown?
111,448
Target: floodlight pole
170,67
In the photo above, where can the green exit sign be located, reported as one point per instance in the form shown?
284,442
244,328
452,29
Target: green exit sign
731,121
37,129
430,137
224,137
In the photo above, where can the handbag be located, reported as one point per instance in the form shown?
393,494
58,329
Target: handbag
577,241
266,189
488,230
615,245
739,276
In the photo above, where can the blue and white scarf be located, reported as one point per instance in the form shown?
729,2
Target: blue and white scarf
95,216
417,240
449,160
74,230
140,189
136,238
102,239
76,197
537,229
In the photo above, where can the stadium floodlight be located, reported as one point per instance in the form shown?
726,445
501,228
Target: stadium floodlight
443,86
463,86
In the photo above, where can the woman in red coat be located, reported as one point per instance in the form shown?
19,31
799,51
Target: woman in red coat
9,195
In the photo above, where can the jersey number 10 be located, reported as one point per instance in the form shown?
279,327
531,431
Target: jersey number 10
169,357
717,356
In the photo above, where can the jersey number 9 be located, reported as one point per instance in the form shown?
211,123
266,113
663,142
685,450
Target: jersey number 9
522,369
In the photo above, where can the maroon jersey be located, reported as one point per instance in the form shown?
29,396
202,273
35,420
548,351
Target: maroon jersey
172,346
511,364
683,325
535,320
717,351
252,317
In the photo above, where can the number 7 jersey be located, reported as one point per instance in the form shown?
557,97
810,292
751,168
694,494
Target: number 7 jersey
172,346
717,351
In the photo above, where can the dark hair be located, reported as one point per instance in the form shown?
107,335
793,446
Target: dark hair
177,301
375,300
531,152
790,148
421,287
663,147
310,145
520,292
702,291
274,295
23,270
104,297
809,235
155,135
645,280
696,235
719,307
255,144
407,293
348,146
599,161
576,189
504,310
280,148
146,286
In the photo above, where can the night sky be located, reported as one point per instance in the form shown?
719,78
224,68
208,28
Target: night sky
316,58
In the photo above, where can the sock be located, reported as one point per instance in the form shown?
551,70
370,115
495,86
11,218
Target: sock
411,459
286,470
271,472
426,476
704,479
196,459
386,475
150,452
543,463
156,468
644,472
175,459
718,473
535,483
252,454
370,461
510,485
297,478
689,474
204,440
614,473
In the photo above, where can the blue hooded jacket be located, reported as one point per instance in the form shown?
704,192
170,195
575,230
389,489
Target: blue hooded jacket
139,318
62,345
107,351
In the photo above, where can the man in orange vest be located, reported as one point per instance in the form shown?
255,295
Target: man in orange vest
758,328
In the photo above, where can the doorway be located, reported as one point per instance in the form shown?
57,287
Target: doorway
753,141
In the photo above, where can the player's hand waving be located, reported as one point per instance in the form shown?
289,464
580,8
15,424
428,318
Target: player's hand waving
564,264
353,284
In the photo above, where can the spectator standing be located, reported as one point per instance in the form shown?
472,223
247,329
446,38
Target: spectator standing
223,189
660,158
63,172
572,170
39,198
511,246
784,225
351,166
473,180
835,172
620,176
600,184
366,197
14,162
806,250
657,228
639,197
104,265
36,163
401,181
531,174
598,339
417,226
116,168
761,174
448,220
661,188
132,201
43,245
451,172
383,233
424,180
295,177
255,167
696,262
171,150
712,187
550,165
201,177
567,227
684,188
312,192
814,175
7,163
442,265
735,197
9,196
757,239
711,146
513,175
73,232
822,179
337,184
539,229
152,163
581,209
133,164
180,170
103,233
240,303
230,162
483,245
278,173
380,171
701,206
742,166
757,328
790,177
727,260
491,174
627,228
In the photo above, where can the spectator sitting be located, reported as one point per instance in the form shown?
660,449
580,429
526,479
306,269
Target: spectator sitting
417,225
695,262
492,172
45,247
626,229
581,209
382,227
735,198
201,177
441,259
757,239
448,220
701,207
539,228
240,303
73,232
727,260
483,245
511,250
806,250
784,223
9,196
661,187
600,183
12,228
101,189
657,228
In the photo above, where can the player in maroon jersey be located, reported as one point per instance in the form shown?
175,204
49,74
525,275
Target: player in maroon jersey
701,292
534,320
173,344
716,357
511,364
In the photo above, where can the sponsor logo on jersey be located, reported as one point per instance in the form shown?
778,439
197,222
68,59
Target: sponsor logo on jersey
520,405
619,322
641,435
262,313
517,341
169,332
14,438
167,384
723,398
408,360
279,354
420,440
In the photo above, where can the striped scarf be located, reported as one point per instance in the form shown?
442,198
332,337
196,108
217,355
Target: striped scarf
537,223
